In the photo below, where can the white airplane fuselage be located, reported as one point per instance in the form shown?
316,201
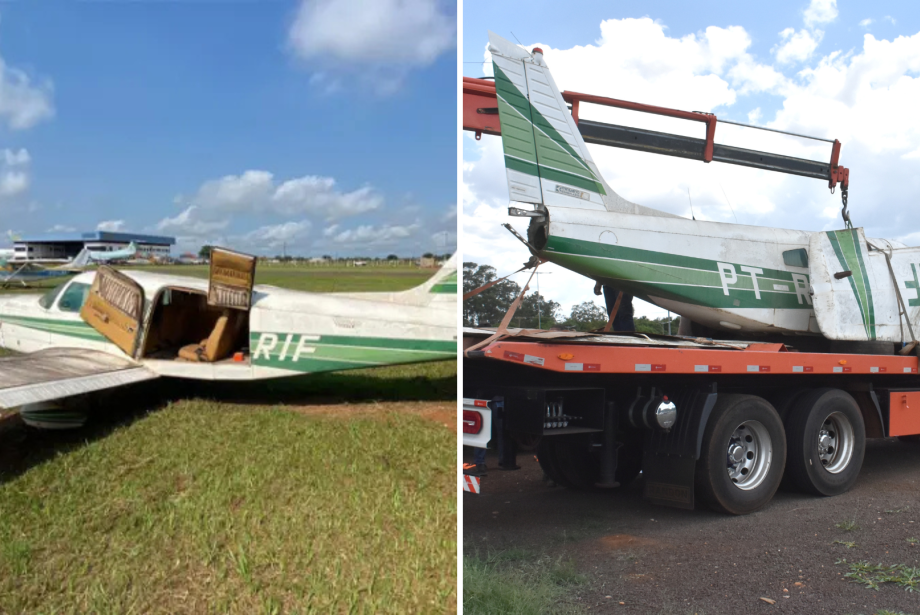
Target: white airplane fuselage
289,332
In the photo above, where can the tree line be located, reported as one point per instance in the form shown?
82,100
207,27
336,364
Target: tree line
489,307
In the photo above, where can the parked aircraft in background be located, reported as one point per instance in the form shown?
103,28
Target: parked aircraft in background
12,273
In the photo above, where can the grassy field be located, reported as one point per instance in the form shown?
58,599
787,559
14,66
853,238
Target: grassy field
319,279
328,493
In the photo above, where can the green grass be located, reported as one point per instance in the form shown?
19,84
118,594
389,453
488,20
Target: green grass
518,584
874,575
316,279
848,545
847,526
184,496
320,279
225,504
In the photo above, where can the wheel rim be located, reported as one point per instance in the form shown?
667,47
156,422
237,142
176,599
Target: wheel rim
749,455
835,442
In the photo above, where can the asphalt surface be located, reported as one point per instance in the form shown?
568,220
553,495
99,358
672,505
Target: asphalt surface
641,558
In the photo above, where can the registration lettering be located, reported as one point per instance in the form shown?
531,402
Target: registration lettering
288,347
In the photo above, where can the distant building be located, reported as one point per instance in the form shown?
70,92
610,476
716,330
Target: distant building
65,246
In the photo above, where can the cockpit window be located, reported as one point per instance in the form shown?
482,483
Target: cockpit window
796,258
74,297
48,298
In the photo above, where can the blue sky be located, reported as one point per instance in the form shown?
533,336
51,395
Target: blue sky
326,127
842,71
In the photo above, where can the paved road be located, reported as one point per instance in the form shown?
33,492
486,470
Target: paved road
650,559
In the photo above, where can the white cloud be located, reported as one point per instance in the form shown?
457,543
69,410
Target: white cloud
190,223
865,23
820,11
277,235
286,213
23,103
377,32
256,192
17,158
113,226
372,235
61,228
13,182
797,46
14,171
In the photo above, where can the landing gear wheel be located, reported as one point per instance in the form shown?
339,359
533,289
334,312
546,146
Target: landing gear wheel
743,454
911,439
827,441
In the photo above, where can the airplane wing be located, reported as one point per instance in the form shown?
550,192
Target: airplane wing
63,372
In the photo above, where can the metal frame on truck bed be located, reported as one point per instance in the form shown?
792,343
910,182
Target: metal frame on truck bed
724,422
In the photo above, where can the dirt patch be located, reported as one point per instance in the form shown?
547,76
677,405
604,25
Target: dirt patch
618,542
640,558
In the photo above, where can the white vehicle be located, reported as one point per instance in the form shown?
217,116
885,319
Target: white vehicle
107,328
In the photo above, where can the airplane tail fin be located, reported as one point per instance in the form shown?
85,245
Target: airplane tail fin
546,159
439,288
81,260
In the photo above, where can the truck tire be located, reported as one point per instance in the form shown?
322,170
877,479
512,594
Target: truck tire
783,402
569,462
546,457
743,454
827,440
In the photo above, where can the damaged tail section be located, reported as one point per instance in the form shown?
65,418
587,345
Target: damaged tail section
546,159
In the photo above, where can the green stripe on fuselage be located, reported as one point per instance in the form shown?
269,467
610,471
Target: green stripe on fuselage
680,278
311,353
72,328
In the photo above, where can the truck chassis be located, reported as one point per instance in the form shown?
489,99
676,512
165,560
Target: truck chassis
721,422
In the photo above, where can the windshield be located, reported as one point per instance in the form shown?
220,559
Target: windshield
48,298
74,297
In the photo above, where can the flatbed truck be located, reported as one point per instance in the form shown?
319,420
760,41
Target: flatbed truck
720,423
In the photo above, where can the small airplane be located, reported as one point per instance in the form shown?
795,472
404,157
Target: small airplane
108,328
116,255
27,273
731,278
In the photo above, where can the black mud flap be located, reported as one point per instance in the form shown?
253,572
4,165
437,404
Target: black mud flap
669,461
669,480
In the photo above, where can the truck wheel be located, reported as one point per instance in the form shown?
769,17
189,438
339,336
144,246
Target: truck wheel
568,460
629,457
743,454
527,442
546,456
827,441
577,467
